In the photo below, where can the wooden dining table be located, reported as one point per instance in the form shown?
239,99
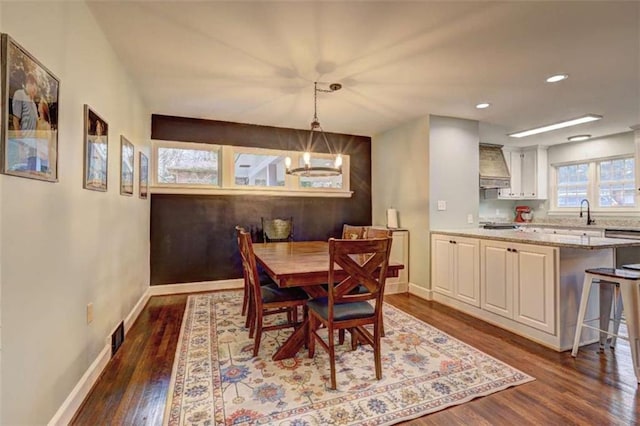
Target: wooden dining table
303,264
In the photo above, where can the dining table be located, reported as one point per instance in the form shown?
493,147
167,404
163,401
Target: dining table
303,264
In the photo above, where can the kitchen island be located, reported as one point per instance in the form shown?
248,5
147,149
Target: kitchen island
528,283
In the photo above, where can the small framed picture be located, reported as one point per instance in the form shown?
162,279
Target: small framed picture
29,136
126,166
96,151
144,175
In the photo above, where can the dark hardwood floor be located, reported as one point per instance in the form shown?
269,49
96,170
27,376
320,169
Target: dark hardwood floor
594,389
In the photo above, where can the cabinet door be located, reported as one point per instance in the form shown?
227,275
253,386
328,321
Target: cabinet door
496,281
516,174
442,267
636,134
529,174
534,286
467,271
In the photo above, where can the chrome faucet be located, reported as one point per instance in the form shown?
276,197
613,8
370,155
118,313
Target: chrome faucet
589,220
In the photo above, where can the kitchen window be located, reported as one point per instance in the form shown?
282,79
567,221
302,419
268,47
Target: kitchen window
195,168
609,184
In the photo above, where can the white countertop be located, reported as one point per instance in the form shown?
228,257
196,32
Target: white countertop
555,240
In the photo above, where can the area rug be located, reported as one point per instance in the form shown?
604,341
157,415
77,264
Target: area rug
216,381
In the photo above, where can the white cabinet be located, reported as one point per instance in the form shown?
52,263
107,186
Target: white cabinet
528,170
636,134
518,282
456,267
515,171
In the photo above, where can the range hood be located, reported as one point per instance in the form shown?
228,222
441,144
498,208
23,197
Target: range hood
493,167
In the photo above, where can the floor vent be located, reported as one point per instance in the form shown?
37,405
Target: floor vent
117,338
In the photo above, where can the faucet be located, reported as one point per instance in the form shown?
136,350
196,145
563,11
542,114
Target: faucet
589,220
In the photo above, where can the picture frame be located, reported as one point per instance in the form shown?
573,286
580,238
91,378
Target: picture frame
144,175
96,151
126,166
30,104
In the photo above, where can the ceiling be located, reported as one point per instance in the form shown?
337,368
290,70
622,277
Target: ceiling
255,62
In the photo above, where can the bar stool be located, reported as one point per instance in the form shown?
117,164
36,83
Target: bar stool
628,282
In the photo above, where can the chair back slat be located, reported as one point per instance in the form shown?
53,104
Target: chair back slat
351,232
249,266
376,233
365,262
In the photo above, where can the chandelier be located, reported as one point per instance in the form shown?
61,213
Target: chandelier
307,169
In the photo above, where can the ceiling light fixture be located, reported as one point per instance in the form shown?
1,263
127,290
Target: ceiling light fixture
557,77
308,169
578,138
483,105
567,123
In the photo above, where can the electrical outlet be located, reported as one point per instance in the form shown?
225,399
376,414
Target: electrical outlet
89,313
469,218
442,205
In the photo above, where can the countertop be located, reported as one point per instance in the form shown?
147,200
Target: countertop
554,240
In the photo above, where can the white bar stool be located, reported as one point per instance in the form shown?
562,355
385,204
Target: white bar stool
629,285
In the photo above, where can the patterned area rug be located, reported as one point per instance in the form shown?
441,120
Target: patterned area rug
217,381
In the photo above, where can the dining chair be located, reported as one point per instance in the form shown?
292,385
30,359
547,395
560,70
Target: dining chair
351,232
344,309
274,230
371,232
267,299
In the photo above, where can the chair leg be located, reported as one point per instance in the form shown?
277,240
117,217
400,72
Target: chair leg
332,358
256,342
245,298
311,339
250,311
341,336
377,330
584,299
606,293
617,317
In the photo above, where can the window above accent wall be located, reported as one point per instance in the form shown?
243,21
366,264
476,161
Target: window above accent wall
195,168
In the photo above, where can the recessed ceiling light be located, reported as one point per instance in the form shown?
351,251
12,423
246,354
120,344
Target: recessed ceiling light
483,105
577,138
557,77
574,121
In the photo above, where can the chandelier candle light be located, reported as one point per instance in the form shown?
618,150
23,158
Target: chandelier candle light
308,169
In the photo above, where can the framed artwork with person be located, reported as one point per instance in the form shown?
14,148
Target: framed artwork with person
30,95
96,151
126,166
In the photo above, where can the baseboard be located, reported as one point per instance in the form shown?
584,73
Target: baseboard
421,292
70,405
162,290
395,288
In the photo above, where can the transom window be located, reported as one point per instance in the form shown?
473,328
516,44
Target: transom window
608,183
181,167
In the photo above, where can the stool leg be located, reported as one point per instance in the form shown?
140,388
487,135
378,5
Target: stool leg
584,300
631,299
617,316
606,298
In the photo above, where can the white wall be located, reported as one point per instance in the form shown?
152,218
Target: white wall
63,246
400,179
454,171
609,146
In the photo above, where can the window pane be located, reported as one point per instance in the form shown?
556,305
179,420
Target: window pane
187,166
572,183
259,170
320,181
617,183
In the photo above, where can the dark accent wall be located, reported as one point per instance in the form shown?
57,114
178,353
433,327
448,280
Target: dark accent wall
193,237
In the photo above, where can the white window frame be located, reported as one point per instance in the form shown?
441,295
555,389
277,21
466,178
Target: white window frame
593,192
155,145
226,176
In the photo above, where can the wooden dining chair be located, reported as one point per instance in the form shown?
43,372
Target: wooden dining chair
344,309
275,230
267,299
351,232
377,233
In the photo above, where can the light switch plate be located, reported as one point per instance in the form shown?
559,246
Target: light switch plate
442,205
469,218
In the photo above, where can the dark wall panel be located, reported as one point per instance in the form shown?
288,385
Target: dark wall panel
193,237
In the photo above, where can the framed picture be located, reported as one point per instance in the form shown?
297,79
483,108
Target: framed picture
96,151
144,175
126,166
29,115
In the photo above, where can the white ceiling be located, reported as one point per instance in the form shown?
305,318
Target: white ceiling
255,62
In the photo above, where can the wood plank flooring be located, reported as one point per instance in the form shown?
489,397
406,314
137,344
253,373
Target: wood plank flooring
594,389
